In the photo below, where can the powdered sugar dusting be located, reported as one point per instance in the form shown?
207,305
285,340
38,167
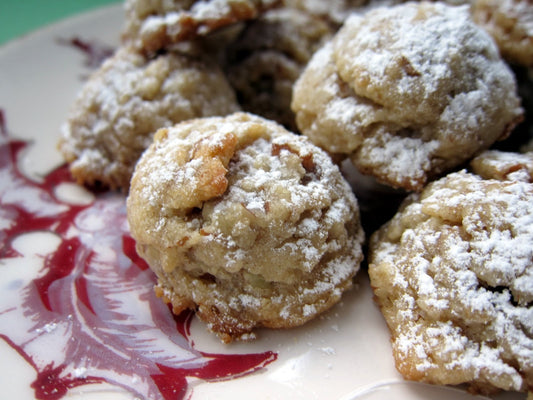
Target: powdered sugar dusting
407,92
163,171
262,175
461,272
402,159
494,164
425,42
164,29
285,226
125,101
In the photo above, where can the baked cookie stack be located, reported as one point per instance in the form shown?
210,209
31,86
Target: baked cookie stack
256,139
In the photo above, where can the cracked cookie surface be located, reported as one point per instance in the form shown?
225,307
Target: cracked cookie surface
453,275
117,111
407,92
245,222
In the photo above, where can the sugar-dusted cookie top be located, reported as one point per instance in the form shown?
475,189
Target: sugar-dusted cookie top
453,275
126,100
407,92
244,221
510,23
155,25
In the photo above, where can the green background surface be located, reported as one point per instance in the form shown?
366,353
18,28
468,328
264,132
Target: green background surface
19,17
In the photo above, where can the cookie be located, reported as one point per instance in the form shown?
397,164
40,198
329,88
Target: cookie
510,23
124,102
407,92
152,26
136,13
503,165
453,275
246,223
268,56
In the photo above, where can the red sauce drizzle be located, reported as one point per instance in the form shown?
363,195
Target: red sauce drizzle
95,52
92,301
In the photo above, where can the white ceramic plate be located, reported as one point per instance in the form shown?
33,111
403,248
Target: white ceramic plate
62,349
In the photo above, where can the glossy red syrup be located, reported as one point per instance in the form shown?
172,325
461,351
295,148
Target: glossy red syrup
85,312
